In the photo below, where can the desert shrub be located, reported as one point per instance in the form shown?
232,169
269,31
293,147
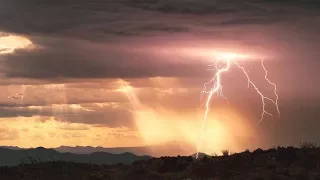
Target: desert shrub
225,152
272,150
307,145
258,151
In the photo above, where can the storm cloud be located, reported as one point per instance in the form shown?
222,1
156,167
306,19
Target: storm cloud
87,46
85,39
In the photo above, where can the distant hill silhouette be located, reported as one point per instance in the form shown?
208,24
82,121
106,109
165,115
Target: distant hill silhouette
12,157
116,150
281,163
12,147
171,148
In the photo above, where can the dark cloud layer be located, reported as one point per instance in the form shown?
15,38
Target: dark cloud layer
82,40
65,61
69,17
220,6
72,33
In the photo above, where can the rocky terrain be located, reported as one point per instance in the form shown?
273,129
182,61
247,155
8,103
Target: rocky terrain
282,163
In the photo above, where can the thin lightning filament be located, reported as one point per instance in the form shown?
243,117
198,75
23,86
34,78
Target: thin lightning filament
217,89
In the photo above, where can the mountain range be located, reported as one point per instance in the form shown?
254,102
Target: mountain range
171,148
13,157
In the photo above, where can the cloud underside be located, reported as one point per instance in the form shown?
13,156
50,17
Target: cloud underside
100,39
82,48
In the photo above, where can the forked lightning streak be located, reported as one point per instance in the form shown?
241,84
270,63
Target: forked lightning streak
217,89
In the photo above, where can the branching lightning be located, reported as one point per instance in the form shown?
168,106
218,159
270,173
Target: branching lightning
217,89
274,85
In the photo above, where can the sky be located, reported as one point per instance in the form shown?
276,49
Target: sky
130,72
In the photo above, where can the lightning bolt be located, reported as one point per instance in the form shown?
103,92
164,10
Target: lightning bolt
217,89
274,85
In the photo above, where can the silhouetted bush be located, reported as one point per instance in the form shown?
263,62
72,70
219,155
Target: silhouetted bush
258,151
307,145
225,152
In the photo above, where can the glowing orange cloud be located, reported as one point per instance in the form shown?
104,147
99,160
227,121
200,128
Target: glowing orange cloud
47,132
8,44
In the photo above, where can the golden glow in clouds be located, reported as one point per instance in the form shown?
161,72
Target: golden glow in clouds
162,125
48,132
8,44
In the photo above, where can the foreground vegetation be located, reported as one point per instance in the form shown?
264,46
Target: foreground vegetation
280,163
